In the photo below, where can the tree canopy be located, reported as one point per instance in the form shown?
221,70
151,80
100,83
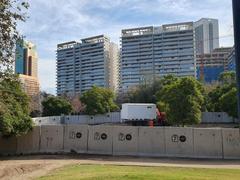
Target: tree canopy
228,102
14,108
224,97
11,11
14,103
182,100
56,106
75,102
146,93
228,77
98,101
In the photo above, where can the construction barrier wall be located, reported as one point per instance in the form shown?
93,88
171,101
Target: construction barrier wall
100,139
208,143
231,143
8,145
216,117
179,142
115,117
29,143
75,138
112,117
51,140
127,140
83,119
51,120
151,141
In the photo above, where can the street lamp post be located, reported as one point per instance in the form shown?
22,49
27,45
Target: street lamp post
236,24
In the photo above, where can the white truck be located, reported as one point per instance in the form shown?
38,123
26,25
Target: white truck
138,113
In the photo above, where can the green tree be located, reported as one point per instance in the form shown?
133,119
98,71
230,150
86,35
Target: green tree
14,108
228,102
228,77
98,101
213,99
146,93
75,102
55,106
182,99
223,98
11,11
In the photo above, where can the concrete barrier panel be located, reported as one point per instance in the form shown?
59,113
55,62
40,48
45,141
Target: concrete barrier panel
216,117
51,138
179,141
75,138
125,140
29,143
82,119
100,119
54,119
115,117
208,143
91,120
100,139
231,143
151,141
41,120
8,146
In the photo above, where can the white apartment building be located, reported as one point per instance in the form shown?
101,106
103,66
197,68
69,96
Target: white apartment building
80,65
150,52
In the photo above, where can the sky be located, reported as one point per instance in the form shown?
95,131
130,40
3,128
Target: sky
51,22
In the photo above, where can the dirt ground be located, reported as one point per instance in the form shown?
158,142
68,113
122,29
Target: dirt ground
30,167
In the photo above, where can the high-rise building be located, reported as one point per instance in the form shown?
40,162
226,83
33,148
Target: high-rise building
206,35
26,58
80,65
30,85
114,67
150,52
211,65
26,65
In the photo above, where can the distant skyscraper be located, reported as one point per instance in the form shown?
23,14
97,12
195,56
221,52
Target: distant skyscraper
26,65
26,58
206,35
80,65
149,52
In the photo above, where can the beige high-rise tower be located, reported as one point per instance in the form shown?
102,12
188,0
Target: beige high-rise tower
26,65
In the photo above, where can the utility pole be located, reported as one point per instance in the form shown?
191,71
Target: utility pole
236,25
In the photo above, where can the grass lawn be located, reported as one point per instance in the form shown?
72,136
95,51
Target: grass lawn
114,172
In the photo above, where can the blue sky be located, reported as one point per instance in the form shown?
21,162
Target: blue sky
54,21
